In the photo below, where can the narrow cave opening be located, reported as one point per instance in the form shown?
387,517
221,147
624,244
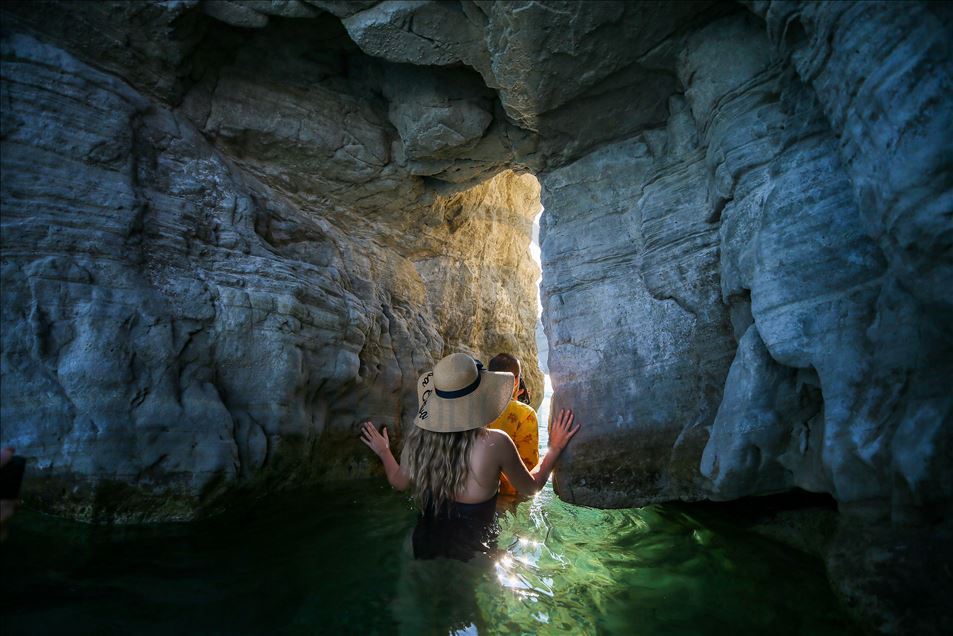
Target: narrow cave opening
542,342
297,199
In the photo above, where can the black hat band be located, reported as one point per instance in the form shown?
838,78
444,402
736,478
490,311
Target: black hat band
467,390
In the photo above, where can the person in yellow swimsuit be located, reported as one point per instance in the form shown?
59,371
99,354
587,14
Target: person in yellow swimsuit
518,420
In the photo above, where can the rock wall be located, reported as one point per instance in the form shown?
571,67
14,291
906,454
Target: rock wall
212,294
747,299
232,229
766,271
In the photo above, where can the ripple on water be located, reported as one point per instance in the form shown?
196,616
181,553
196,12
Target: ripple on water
338,561
655,570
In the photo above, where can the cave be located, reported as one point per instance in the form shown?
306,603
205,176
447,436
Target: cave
232,230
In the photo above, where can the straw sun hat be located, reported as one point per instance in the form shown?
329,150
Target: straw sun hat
460,395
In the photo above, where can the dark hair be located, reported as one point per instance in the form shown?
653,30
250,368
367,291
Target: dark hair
505,362
523,394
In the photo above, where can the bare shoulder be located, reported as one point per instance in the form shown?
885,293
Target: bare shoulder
499,445
496,437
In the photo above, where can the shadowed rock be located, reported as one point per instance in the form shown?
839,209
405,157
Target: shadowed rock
232,229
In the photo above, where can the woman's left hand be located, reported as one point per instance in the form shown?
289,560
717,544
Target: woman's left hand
374,440
562,430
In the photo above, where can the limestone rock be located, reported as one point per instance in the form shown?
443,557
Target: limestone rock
235,13
437,114
342,8
148,44
645,375
197,330
422,33
753,158
283,8
746,241
767,435
232,229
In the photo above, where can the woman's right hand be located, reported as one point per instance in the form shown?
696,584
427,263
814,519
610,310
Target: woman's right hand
562,430
374,440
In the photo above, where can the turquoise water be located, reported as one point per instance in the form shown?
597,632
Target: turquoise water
337,561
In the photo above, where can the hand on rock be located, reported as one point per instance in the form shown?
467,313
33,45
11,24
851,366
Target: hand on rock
374,440
562,430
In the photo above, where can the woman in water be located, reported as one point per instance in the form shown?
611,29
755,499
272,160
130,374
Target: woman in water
453,463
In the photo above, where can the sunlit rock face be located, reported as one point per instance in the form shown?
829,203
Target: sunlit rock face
233,229
214,289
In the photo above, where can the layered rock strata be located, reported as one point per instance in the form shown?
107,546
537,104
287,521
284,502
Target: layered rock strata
232,229
746,243
201,297
772,334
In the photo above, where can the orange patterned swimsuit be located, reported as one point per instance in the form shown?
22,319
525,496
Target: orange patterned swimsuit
520,423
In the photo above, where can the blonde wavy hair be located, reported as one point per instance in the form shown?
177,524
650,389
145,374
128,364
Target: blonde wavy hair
438,464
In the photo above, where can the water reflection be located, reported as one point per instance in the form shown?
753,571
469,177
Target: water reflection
655,570
338,560
649,571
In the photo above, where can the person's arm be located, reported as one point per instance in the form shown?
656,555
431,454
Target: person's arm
380,444
530,482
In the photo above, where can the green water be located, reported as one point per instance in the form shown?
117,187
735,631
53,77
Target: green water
338,561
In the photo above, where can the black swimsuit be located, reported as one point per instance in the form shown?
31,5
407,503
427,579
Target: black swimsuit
458,532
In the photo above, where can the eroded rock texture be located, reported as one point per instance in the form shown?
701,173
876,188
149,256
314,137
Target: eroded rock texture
233,228
770,309
214,294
